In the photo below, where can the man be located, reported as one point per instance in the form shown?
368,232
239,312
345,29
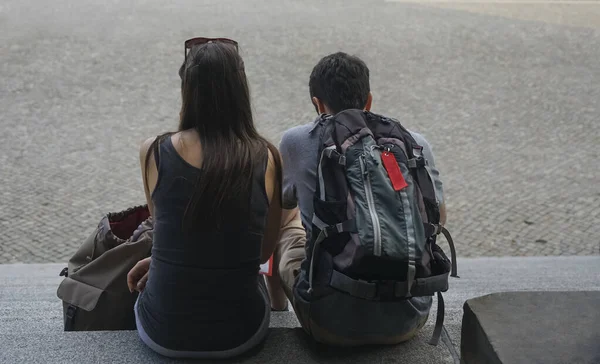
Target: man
337,83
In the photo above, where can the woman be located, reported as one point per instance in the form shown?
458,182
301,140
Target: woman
214,192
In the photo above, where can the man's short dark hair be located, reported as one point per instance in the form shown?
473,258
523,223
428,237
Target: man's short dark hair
341,82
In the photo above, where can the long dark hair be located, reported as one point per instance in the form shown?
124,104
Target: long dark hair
216,103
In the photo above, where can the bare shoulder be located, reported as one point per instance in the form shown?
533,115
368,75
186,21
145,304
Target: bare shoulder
273,172
274,160
145,146
271,163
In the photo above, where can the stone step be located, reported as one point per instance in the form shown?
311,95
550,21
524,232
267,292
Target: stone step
532,327
31,317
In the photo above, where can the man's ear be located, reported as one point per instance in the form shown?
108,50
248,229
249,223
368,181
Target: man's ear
319,105
369,102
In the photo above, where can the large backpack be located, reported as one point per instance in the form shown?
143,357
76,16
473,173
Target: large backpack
376,219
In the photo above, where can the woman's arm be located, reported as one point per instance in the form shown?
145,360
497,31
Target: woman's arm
138,275
149,178
272,228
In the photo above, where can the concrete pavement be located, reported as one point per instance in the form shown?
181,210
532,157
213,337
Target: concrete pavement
510,107
575,13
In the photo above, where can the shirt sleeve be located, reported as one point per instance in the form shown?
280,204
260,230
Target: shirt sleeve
433,170
286,148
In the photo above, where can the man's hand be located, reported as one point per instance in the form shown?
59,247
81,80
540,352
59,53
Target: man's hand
138,275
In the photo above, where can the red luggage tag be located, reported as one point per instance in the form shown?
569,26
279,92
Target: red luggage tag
393,170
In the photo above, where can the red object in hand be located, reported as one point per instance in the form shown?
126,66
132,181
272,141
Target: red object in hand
267,268
393,170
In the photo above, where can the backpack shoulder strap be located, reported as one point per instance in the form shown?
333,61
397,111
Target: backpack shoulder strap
385,128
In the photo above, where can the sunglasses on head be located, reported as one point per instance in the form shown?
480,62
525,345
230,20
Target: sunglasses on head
201,40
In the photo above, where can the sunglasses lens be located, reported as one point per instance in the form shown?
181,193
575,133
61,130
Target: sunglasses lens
199,41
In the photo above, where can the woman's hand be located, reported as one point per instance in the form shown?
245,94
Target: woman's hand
138,275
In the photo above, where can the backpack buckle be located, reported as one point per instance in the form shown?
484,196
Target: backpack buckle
433,229
417,162
71,311
70,318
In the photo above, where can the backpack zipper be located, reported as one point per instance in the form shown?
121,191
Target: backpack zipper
371,204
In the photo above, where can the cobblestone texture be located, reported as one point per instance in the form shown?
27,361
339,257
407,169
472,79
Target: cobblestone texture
510,106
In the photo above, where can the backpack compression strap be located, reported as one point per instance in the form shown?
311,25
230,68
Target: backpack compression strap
436,229
439,321
448,237
348,226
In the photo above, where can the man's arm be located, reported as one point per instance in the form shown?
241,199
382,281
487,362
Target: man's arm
290,199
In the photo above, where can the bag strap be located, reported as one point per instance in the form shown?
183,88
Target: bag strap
424,180
436,229
417,166
373,290
355,287
368,290
439,321
327,231
448,237
70,317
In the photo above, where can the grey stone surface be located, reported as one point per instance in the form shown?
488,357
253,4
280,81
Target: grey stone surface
31,321
532,327
510,107
282,346
31,332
